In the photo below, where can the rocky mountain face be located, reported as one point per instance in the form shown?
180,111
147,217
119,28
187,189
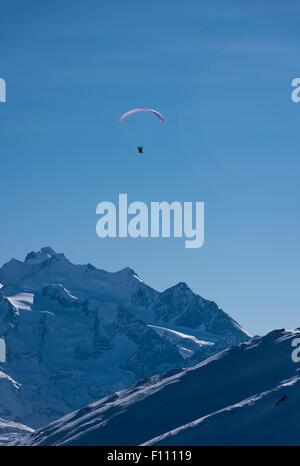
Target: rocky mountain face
75,333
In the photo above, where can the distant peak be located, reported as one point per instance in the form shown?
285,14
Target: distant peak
39,257
182,286
48,250
179,289
127,271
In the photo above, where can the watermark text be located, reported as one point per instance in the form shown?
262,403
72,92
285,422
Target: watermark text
2,350
296,351
2,90
295,95
161,219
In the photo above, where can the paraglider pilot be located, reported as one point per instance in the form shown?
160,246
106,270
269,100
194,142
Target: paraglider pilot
135,110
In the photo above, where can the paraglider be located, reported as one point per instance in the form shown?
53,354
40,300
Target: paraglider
136,110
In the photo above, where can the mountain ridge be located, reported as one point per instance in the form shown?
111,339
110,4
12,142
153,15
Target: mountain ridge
246,395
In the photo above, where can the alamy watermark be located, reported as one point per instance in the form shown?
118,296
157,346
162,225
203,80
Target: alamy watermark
296,351
295,95
2,350
2,90
161,219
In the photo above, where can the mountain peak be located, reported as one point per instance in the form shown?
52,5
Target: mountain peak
39,257
127,271
43,255
48,250
180,287
59,315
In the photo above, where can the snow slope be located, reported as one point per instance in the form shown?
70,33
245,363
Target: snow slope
247,394
75,333
269,418
11,432
187,345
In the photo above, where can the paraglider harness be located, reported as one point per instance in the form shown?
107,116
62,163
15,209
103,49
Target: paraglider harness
140,149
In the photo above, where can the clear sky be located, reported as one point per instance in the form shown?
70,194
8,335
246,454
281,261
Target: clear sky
220,72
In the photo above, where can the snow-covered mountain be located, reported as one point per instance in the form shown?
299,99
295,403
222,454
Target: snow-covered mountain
75,333
246,395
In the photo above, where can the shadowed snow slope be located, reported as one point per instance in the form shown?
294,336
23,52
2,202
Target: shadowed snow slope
11,431
75,333
247,394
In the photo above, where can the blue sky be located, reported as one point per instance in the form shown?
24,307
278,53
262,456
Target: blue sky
220,72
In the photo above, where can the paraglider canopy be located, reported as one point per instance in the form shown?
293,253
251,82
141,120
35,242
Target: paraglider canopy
135,110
